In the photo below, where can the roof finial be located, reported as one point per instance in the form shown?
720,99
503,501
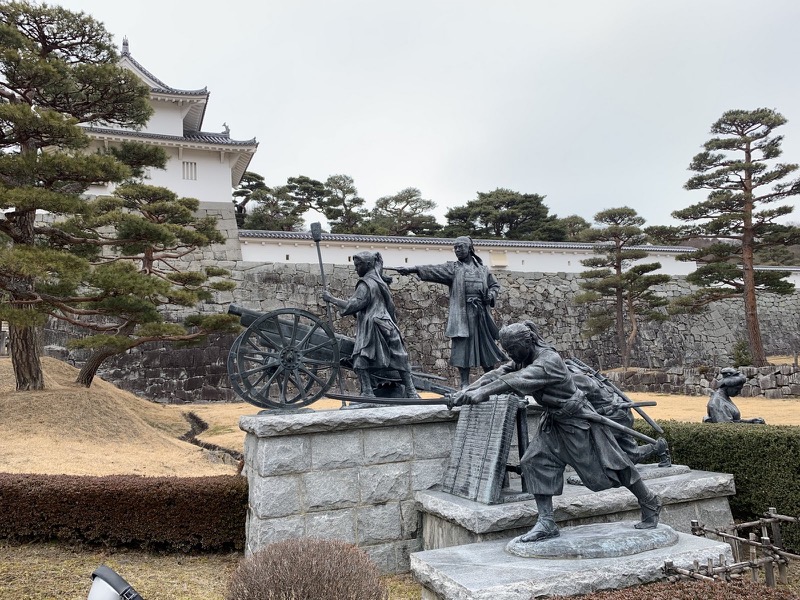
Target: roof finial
125,45
225,129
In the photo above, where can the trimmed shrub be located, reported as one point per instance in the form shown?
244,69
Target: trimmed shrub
763,460
307,569
160,513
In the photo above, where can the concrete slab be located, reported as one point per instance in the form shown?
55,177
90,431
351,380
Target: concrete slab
485,571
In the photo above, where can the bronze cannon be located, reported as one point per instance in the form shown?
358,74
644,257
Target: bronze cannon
289,358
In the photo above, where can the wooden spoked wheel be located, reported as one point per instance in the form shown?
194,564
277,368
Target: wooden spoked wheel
287,358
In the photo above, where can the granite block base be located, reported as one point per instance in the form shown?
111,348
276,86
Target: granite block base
687,495
485,571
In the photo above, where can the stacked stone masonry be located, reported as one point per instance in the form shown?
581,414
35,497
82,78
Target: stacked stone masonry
372,478
348,475
775,382
685,342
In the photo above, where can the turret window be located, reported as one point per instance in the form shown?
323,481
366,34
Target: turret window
189,170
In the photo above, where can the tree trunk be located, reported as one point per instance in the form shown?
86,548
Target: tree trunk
753,328
619,313
98,357
24,338
90,368
25,357
748,272
626,357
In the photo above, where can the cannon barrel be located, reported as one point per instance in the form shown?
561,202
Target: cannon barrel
246,316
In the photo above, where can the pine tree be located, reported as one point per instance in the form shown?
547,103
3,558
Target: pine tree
505,214
275,210
404,213
619,290
738,168
343,207
57,69
106,265
135,241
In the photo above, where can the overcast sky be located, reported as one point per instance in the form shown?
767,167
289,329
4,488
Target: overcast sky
593,103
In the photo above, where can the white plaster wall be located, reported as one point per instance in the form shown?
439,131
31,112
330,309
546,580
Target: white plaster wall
213,183
261,250
166,120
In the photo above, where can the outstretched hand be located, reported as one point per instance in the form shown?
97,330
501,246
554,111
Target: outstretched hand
405,270
326,295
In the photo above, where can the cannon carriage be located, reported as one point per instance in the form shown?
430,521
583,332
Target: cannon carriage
288,358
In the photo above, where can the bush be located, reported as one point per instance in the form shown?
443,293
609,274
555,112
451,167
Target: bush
741,354
761,458
307,569
692,590
160,513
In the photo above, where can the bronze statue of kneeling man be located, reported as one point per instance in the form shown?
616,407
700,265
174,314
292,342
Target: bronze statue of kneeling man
565,436
720,407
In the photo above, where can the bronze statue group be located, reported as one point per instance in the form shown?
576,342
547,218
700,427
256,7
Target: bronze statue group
568,432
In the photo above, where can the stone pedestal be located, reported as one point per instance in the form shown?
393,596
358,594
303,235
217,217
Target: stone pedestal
345,474
486,571
450,521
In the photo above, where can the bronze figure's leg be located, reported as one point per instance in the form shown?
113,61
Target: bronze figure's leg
408,383
464,373
649,503
366,382
545,527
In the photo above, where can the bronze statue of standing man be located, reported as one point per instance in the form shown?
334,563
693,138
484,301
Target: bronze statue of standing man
470,327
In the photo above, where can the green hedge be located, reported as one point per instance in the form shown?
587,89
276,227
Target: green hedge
164,513
763,459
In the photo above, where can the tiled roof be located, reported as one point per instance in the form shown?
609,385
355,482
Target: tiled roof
191,136
408,240
161,87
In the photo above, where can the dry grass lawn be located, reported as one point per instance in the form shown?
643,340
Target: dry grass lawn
103,430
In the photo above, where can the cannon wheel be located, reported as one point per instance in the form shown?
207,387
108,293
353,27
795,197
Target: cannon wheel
287,358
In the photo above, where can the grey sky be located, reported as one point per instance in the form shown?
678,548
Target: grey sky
593,103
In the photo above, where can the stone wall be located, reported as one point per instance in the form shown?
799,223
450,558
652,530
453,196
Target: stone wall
546,299
767,382
692,341
349,475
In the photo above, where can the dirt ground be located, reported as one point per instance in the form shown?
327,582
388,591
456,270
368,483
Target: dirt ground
103,430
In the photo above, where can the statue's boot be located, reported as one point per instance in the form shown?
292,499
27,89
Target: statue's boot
463,373
662,449
408,383
366,383
649,503
366,391
545,527
648,451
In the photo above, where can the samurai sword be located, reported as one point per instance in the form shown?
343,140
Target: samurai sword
391,401
605,380
603,420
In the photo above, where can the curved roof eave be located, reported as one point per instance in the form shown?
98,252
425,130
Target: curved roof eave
238,170
194,118
199,139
